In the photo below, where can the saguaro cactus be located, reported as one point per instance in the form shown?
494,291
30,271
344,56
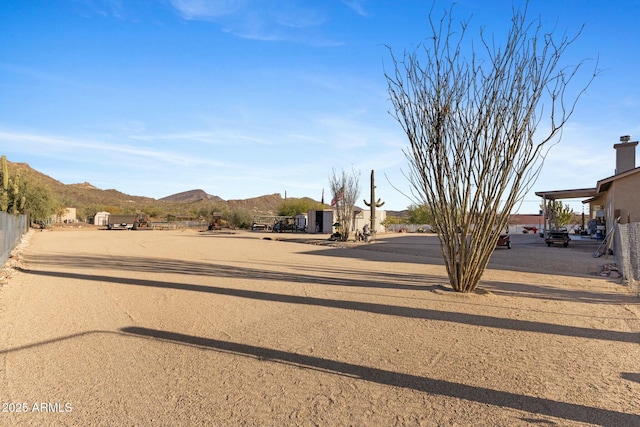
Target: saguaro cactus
14,197
373,205
10,199
4,190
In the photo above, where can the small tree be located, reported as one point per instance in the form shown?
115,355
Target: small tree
392,220
472,123
39,201
293,207
345,188
238,218
558,213
420,214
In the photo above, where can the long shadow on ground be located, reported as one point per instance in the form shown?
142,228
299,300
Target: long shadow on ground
331,276
537,405
475,320
528,254
504,399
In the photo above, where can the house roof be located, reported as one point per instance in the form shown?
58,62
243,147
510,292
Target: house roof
567,194
589,193
604,184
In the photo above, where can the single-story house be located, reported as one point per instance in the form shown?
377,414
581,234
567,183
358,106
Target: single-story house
613,199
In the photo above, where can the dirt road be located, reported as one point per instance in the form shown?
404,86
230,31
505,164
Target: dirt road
184,328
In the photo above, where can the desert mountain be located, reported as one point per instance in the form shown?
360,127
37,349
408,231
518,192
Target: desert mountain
263,204
88,199
191,196
74,194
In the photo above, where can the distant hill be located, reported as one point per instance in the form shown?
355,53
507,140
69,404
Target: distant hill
267,204
399,214
191,196
75,194
88,199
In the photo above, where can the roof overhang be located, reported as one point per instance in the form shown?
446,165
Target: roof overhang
579,193
604,184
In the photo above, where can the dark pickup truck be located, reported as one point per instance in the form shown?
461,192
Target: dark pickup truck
558,235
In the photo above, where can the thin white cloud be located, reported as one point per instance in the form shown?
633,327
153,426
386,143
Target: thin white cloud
105,8
206,9
265,20
219,137
52,145
357,6
304,138
38,75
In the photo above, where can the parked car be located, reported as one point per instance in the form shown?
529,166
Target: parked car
558,235
504,240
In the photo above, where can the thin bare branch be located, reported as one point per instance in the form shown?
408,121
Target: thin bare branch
474,128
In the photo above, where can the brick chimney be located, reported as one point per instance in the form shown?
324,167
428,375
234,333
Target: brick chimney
625,154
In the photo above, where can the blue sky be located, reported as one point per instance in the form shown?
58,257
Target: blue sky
243,98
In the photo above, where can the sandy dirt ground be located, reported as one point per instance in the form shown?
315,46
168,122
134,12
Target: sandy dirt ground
185,328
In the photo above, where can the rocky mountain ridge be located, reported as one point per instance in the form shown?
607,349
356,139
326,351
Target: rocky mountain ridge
85,196
88,199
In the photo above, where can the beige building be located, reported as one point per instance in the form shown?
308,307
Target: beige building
613,199
67,216
363,216
101,218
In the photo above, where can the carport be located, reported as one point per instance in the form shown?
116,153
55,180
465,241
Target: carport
581,193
